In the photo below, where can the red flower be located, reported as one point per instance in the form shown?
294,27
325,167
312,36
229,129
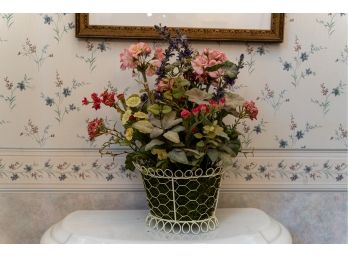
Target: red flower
96,101
85,101
203,108
196,110
212,102
222,101
185,113
95,128
251,109
108,98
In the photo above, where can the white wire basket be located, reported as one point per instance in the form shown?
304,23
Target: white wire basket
182,202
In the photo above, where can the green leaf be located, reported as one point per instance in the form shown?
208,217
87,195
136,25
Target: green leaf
200,144
154,108
178,128
172,136
177,155
152,143
198,135
232,101
144,126
181,82
213,154
198,96
196,154
223,134
178,92
156,132
169,120
168,95
166,109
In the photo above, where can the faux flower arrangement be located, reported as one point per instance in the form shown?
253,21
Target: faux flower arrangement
180,123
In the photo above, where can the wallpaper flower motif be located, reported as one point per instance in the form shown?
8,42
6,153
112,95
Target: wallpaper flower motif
57,102
300,59
58,24
45,78
38,56
10,97
93,52
296,134
327,94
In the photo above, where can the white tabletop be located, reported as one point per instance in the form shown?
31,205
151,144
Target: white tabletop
237,225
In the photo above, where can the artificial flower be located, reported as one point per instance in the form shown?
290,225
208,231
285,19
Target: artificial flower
125,116
251,109
140,115
133,101
95,128
129,134
161,153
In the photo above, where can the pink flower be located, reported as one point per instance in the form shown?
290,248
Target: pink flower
96,101
165,85
140,48
185,113
251,109
95,128
206,59
108,98
199,64
127,60
159,55
152,68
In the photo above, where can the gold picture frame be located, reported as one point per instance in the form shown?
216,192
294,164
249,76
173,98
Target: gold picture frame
272,35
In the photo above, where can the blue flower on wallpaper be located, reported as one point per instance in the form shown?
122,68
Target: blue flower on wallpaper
273,98
38,56
304,56
66,92
49,101
296,134
249,132
287,66
300,58
59,25
93,52
251,53
58,101
327,96
10,95
47,19
283,143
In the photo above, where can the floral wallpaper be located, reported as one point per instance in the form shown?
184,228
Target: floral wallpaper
300,87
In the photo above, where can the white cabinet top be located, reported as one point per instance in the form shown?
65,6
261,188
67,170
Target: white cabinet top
237,225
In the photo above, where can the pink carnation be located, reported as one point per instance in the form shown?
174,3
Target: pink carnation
251,109
140,48
185,113
95,128
159,55
127,60
108,98
206,59
96,101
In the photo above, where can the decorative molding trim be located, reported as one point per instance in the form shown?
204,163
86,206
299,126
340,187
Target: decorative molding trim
84,170
273,35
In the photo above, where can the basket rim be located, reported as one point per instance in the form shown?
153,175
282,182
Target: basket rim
179,174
